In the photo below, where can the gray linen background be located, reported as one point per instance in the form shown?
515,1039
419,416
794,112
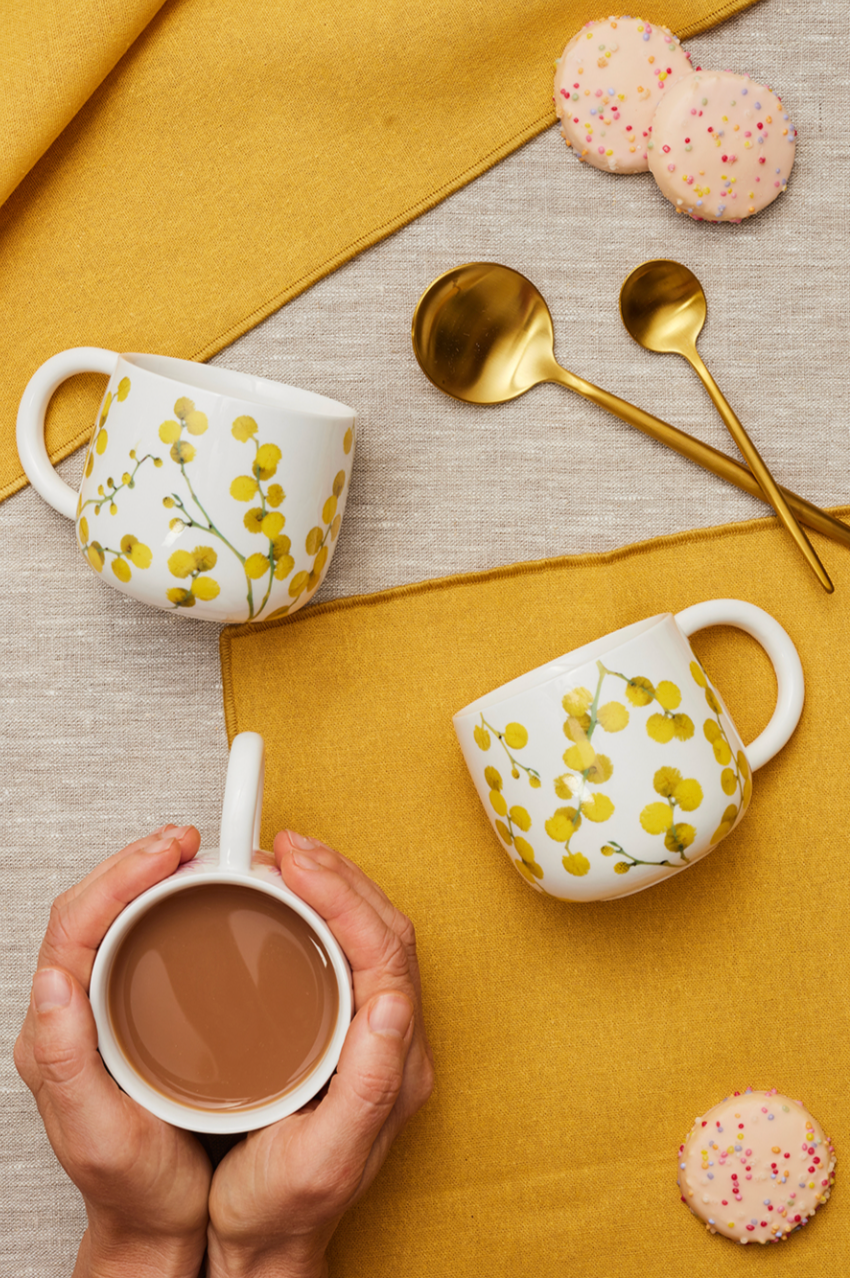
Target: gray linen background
111,712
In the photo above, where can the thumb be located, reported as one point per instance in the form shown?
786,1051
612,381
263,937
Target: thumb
365,1087
75,1094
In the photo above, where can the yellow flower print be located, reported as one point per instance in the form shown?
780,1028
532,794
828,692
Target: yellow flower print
272,524
698,674
562,824
335,527
244,488
568,785
181,563
313,541
83,530
123,390
265,463
339,483
257,566
298,583
275,495
131,551
735,773
520,817
667,695
196,422
513,737
598,808
639,691
576,703
575,863
243,428
101,442
205,588
169,432
329,510
95,556
656,818
613,717
195,563
726,822
182,453
139,553
679,837
253,519
348,441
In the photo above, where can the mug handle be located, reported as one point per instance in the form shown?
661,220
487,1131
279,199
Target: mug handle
31,450
784,656
243,802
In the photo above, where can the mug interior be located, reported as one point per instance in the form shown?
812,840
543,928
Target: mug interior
227,381
593,651
184,1114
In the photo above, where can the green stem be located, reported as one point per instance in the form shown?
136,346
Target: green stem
633,860
532,772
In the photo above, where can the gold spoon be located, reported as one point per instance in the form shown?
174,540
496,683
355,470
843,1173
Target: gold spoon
663,307
483,334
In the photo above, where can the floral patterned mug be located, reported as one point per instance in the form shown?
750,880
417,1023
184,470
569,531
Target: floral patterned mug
617,765
207,492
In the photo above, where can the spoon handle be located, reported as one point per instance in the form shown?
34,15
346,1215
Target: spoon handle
703,454
754,460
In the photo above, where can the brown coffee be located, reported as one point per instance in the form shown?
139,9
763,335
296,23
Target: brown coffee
222,997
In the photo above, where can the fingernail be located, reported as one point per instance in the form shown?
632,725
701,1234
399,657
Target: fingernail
305,862
159,846
390,1015
180,832
301,841
50,989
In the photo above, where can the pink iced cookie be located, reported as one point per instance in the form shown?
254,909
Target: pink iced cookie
756,1167
722,146
610,79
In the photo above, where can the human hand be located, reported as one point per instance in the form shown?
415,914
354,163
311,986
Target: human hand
278,1195
144,1183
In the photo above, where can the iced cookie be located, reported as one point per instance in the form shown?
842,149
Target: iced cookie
610,79
722,146
756,1167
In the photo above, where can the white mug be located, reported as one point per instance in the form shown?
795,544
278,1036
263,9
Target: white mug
618,765
206,492
235,862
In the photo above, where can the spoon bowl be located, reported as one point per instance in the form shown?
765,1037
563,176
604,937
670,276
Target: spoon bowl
663,306
483,334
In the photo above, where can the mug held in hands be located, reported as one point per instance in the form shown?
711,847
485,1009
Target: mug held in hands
189,1038
617,765
206,492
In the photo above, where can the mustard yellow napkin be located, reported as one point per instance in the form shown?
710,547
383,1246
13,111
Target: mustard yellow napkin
575,1044
237,152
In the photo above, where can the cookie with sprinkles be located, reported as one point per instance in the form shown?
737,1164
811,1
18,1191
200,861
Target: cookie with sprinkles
722,146
608,82
756,1167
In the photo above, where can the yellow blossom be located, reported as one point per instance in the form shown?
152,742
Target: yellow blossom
243,428
575,863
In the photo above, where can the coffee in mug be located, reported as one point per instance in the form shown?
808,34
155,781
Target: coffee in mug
222,997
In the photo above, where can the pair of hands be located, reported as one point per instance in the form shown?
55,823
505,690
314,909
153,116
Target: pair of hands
153,1202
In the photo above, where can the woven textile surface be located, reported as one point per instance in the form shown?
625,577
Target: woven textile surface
239,151
112,716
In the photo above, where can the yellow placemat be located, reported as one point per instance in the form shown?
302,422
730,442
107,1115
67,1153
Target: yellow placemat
575,1044
239,151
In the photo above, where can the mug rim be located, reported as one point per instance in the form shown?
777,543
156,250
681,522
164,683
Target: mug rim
230,382
568,664
184,1115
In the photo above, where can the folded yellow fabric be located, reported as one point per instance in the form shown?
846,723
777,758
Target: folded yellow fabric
239,151
55,54
575,1044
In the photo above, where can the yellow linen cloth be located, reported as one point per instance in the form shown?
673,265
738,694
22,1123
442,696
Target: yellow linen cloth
237,152
575,1044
